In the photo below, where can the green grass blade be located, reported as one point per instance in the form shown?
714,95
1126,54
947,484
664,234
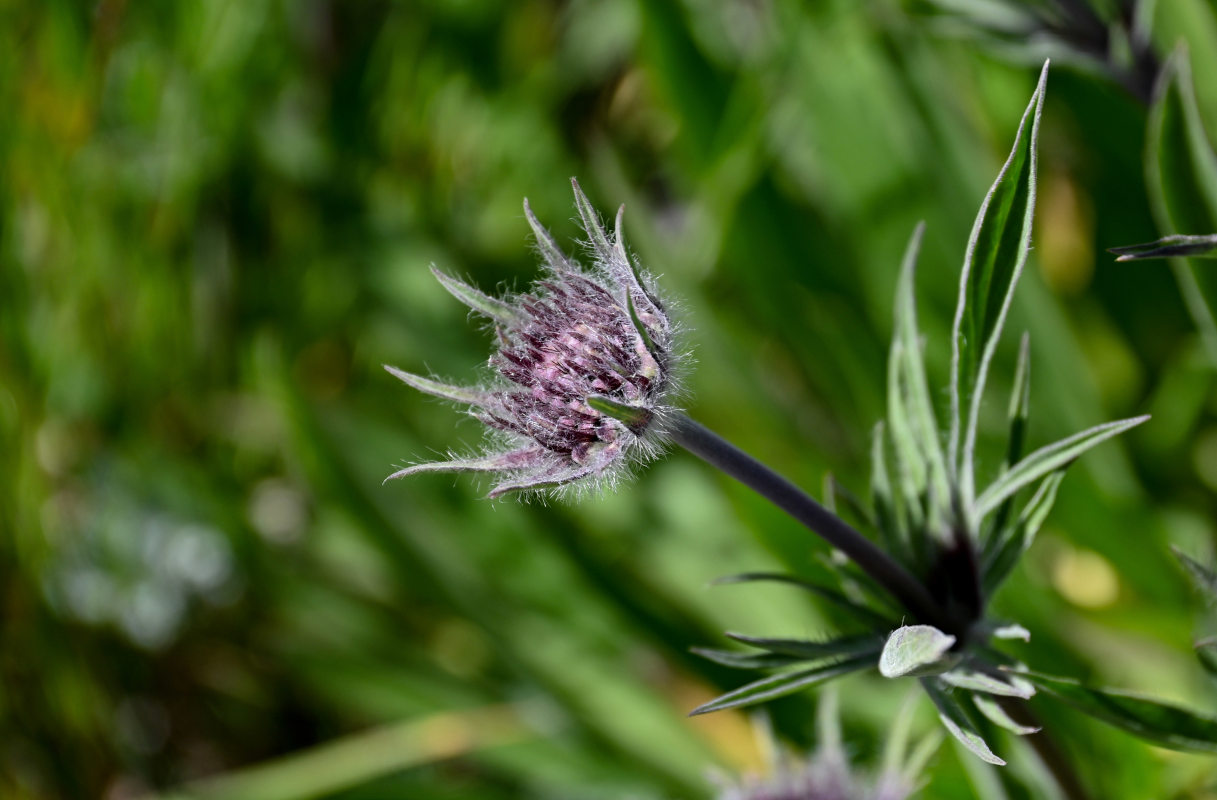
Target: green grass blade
1048,459
996,253
1163,724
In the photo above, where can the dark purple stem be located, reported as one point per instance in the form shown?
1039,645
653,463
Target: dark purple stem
899,582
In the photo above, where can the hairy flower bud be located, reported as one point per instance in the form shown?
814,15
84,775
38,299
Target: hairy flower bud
582,379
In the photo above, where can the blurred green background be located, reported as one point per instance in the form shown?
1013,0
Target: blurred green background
216,218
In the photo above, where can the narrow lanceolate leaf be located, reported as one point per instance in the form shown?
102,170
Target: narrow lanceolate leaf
916,650
993,711
633,417
643,332
1169,247
993,262
1011,686
484,304
625,271
1048,459
591,224
738,660
888,517
784,684
458,394
911,468
811,649
958,721
1203,578
1009,543
1163,724
858,611
550,251
1017,414
1181,177
918,407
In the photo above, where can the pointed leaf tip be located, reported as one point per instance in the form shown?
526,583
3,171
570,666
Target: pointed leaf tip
457,394
492,307
1164,724
1049,459
591,224
1169,247
959,723
993,263
550,251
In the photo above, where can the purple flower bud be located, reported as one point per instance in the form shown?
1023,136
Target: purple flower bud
582,380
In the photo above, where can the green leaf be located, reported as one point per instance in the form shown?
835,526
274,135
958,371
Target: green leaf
491,307
1181,178
916,650
911,469
912,391
888,517
738,660
860,612
1017,414
973,681
633,417
995,713
1009,544
1048,459
1168,247
958,721
781,685
811,649
1163,724
993,262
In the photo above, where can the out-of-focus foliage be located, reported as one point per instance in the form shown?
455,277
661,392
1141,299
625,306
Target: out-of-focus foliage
215,224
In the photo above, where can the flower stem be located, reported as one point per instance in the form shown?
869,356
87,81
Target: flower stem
887,572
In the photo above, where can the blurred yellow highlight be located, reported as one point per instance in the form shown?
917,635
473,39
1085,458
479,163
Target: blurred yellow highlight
1085,578
1066,230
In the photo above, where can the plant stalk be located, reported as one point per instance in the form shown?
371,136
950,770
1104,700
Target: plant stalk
887,572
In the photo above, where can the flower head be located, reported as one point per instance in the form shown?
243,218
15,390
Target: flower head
826,773
582,376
